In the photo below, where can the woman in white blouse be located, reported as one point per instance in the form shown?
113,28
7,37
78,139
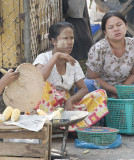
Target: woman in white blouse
60,72
111,60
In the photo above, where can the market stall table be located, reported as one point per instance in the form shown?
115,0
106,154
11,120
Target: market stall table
26,151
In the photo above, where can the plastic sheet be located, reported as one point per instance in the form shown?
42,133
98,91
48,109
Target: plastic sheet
83,144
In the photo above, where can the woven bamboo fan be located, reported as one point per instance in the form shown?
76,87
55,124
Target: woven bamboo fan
27,90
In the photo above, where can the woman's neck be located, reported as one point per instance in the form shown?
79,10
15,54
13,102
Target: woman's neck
54,51
118,48
117,44
59,61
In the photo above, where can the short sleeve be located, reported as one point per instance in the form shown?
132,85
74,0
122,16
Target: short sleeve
78,72
42,58
95,58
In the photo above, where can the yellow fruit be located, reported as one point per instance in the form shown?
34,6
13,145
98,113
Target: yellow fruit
3,71
15,115
57,114
41,112
7,112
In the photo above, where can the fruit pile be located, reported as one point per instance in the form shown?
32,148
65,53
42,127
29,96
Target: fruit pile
14,114
9,112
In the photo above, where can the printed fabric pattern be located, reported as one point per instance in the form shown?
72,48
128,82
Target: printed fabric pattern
94,102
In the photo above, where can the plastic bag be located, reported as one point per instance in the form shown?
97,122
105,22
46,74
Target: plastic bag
83,144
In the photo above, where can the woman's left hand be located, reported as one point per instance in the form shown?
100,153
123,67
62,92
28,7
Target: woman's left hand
68,105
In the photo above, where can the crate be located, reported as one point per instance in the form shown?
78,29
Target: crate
26,151
121,115
125,91
101,136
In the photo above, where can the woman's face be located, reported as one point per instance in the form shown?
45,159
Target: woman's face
65,41
115,29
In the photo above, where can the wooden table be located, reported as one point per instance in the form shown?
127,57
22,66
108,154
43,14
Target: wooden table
25,151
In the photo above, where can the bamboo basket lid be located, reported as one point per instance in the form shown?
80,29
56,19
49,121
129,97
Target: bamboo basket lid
25,92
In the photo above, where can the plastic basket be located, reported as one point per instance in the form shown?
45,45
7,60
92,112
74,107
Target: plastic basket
121,115
125,91
101,136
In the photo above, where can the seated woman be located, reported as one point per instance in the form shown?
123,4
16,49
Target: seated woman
60,72
111,60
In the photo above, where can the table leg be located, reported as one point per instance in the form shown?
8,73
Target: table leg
63,146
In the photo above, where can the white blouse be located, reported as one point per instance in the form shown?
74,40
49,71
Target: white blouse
60,82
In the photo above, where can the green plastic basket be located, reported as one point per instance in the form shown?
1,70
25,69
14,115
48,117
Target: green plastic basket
121,115
125,91
101,136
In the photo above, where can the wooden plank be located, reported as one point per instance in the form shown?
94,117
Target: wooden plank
102,6
24,134
131,31
9,127
125,7
23,149
50,142
20,158
97,35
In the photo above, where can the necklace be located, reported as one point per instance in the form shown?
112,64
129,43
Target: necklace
61,78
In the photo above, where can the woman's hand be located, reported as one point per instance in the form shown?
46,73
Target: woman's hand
66,57
10,76
83,90
114,96
68,105
7,79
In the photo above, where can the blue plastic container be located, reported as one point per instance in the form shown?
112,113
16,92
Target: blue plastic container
95,28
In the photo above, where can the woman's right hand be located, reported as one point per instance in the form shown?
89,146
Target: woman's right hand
10,76
66,57
114,96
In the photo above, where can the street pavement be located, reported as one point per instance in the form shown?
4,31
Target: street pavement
124,152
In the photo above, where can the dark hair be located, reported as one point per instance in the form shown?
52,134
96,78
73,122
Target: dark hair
109,15
56,28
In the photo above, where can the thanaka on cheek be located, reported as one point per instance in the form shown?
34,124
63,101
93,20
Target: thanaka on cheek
61,44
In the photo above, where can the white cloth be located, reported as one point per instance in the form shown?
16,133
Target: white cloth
112,69
72,75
